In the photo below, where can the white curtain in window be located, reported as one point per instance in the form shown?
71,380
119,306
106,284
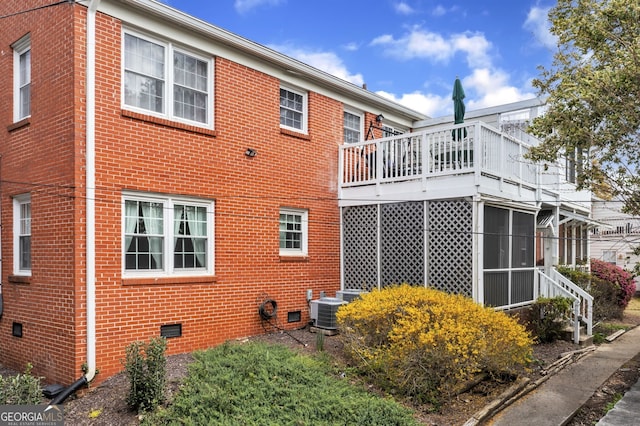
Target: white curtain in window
152,216
131,219
197,220
178,217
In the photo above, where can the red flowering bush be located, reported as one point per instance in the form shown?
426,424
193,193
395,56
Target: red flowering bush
622,279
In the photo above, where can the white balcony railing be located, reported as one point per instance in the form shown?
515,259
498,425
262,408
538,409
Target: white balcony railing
472,147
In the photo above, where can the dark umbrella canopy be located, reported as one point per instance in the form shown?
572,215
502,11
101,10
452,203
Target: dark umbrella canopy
458,103
458,109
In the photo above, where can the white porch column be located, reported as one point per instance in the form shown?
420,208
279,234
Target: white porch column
552,242
478,248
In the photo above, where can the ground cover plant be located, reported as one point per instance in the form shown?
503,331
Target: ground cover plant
428,344
20,389
265,384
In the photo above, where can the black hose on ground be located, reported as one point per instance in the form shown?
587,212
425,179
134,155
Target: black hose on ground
67,392
268,311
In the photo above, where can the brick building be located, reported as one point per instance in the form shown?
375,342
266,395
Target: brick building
160,176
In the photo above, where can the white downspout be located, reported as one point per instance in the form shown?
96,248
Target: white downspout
91,190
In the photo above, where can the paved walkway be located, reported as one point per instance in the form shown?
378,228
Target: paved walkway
627,410
556,401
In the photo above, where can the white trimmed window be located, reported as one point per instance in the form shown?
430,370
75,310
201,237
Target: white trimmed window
388,131
293,109
22,78
22,235
161,79
167,236
352,127
609,256
293,232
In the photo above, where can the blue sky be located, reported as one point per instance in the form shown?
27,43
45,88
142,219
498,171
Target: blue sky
407,50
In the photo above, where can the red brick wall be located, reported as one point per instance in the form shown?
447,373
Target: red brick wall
146,155
133,154
39,158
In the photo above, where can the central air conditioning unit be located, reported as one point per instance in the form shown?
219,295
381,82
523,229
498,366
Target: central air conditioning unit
349,295
323,312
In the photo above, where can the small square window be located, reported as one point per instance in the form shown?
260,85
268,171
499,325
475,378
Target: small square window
293,232
293,110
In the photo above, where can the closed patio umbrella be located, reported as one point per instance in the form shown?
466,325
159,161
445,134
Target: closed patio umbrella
458,109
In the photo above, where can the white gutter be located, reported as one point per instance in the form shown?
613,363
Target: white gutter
91,190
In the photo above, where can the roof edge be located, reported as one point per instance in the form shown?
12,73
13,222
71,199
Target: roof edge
267,54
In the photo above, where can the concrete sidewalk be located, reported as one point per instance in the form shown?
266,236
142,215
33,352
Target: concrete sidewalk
556,401
627,410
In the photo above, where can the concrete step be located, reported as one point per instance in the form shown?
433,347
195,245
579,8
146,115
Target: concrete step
567,335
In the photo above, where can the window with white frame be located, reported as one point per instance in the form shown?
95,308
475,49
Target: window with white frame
388,131
293,109
167,236
161,79
293,232
22,78
609,256
352,127
22,235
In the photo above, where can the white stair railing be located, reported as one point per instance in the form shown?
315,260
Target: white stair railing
547,287
586,300
555,285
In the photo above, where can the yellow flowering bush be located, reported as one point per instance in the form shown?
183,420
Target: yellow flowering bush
427,343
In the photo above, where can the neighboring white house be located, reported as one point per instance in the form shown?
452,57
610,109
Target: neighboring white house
615,243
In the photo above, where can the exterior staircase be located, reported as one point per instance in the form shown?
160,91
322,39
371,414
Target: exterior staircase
581,319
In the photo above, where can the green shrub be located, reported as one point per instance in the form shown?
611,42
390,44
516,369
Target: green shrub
609,296
580,278
427,344
605,300
264,384
145,366
21,389
549,317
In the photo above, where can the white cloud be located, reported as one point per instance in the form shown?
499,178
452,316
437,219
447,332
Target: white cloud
428,104
403,8
492,88
243,6
328,62
475,46
421,44
484,88
538,23
351,47
439,10
486,85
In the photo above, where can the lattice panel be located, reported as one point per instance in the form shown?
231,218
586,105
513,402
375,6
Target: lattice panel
450,246
402,243
360,230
